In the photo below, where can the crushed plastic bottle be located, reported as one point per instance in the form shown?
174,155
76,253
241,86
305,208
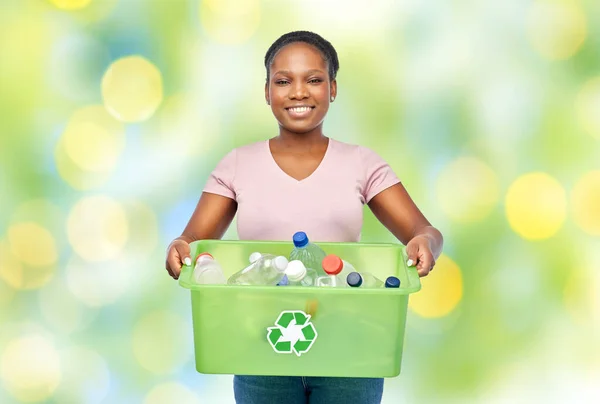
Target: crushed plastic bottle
267,270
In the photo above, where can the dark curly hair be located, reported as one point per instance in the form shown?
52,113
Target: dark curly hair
325,47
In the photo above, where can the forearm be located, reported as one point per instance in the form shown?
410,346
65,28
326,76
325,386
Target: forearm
436,240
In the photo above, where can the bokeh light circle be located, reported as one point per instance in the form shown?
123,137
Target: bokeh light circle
557,28
70,4
186,129
19,275
32,244
30,368
132,89
230,22
441,290
585,202
98,284
97,228
171,392
467,190
93,139
153,344
536,206
61,310
86,377
587,106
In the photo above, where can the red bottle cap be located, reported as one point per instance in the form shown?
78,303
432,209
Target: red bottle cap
332,264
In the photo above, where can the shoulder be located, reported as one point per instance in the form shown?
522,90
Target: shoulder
365,154
243,152
250,148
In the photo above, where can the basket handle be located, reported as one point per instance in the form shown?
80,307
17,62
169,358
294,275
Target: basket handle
185,275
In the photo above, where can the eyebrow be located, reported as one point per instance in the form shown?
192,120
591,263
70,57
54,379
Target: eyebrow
289,72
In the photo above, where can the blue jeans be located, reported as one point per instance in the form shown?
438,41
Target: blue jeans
306,390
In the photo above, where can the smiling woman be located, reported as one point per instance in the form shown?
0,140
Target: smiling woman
304,180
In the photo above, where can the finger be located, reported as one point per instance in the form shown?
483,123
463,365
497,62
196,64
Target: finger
183,250
425,264
173,263
412,251
423,272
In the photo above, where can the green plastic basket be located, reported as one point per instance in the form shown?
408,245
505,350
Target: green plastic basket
301,331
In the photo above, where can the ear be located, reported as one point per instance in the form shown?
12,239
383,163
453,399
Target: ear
267,93
333,89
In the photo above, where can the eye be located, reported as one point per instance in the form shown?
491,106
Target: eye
315,81
281,82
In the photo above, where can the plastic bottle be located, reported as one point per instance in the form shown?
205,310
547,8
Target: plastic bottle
392,282
299,275
311,255
334,261
254,257
332,267
364,280
267,270
207,270
284,281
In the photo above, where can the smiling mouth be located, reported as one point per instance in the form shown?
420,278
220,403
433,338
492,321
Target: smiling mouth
300,110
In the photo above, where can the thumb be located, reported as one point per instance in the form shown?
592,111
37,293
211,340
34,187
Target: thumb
412,250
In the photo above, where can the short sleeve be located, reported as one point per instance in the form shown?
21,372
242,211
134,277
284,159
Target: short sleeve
378,175
220,181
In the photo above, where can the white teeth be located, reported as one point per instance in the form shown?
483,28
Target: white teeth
300,109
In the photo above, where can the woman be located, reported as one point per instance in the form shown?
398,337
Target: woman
303,180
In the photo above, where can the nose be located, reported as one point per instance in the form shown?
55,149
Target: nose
298,90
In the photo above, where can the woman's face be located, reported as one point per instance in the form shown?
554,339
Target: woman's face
299,89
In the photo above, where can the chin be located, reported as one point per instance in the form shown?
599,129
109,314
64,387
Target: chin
300,129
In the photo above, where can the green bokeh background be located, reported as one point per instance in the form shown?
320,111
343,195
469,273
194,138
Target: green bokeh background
464,99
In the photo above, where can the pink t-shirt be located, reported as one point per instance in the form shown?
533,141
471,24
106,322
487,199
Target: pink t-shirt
327,205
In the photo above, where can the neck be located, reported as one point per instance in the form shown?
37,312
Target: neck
292,139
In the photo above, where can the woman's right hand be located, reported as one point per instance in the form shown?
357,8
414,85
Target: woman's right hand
178,253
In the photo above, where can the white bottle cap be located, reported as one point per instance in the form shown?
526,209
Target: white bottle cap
255,256
204,257
295,270
280,263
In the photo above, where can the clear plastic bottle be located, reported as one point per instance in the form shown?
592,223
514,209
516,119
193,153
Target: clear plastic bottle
255,256
311,255
299,275
392,282
364,280
333,268
335,261
267,270
208,271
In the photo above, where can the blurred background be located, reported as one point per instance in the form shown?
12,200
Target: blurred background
114,112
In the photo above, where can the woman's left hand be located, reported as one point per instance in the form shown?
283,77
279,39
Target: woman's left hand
419,254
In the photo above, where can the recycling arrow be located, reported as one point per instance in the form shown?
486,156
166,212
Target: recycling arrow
293,332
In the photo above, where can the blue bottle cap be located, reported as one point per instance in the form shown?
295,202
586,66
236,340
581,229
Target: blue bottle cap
284,281
392,282
300,239
354,279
